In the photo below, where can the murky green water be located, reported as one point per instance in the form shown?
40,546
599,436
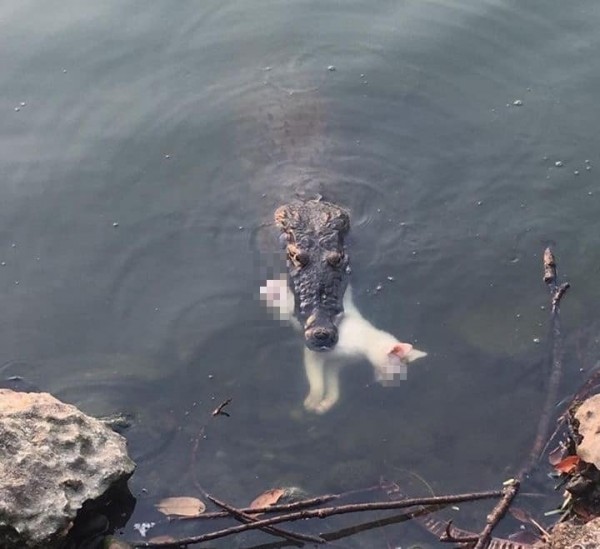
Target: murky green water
143,147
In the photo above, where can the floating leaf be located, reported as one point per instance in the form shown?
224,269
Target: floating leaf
568,465
160,539
520,514
270,497
181,507
524,538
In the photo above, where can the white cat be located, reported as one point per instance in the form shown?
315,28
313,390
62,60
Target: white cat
357,338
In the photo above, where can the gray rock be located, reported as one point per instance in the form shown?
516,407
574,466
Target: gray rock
53,458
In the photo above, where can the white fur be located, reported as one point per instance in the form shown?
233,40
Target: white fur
357,338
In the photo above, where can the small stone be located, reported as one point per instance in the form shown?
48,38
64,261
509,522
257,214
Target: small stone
518,103
559,164
331,68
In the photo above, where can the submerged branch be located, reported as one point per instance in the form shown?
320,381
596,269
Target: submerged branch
325,512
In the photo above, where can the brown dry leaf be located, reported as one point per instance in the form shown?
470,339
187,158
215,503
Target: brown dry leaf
270,497
159,539
568,465
520,514
181,507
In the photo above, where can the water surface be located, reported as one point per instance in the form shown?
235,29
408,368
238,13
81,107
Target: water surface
144,147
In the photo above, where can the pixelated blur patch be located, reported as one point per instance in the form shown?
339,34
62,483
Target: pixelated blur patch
277,297
392,374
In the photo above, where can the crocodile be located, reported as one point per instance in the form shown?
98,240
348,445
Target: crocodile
313,232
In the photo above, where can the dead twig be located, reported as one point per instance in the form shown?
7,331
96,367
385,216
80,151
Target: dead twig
302,504
325,512
510,492
459,537
557,292
218,411
249,519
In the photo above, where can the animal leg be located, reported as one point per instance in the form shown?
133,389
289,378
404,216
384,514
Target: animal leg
314,367
332,389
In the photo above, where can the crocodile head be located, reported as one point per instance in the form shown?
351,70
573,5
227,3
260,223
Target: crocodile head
313,232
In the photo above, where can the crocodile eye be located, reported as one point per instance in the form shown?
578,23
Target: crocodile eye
333,258
298,257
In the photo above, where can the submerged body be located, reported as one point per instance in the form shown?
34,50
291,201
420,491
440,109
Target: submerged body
357,338
318,266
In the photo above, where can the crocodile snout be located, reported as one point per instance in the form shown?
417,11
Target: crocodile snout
321,338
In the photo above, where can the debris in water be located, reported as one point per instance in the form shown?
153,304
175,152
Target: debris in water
331,68
115,224
536,339
268,498
588,168
518,103
576,172
181,507
391,278
559,164
143,527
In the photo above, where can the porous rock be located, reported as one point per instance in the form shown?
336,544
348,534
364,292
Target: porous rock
53,459
573,536
588,416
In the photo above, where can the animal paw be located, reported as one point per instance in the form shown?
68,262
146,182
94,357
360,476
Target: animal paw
319,406
325,405
312,402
